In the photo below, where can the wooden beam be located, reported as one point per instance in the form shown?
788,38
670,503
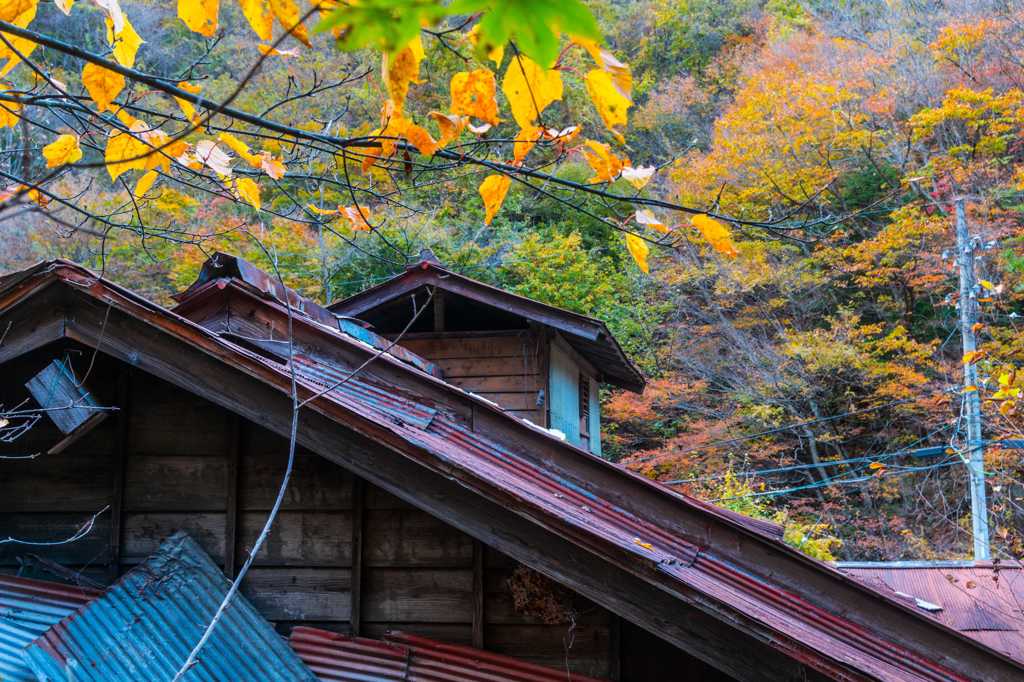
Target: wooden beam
235,427
478,593
121,451
358,524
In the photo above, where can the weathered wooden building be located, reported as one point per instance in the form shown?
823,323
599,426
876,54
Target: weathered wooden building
428,494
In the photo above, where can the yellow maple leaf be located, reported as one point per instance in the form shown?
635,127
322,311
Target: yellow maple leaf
257,13
716,234
287,14
525,141
62,151
529,89
144,183
187,107
10,112
401,70
645,216
271,165
355,217
473,94
638,177
418,137
248,191
271,51
451,126
622,77
639,250
972,356
10,10
606,165
1007,407
493,190
322,211
19,47
611,104
124,152
646,545
103,85
240,148
125,44
200,15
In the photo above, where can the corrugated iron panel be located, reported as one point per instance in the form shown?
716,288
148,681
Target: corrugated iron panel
144,626
28,608
409,658
983,601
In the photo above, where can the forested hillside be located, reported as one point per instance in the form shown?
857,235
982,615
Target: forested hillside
815,321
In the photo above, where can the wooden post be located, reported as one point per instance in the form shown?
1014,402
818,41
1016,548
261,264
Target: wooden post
120,464
358,506
231,498
478,594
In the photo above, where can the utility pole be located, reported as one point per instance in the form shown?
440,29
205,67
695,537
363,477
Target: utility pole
975,447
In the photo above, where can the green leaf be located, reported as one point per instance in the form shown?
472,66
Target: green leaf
387,25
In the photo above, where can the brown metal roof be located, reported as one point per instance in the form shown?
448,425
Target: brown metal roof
588,336
694,553
400,657
984,600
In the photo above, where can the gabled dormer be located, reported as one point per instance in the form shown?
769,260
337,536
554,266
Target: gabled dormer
539,362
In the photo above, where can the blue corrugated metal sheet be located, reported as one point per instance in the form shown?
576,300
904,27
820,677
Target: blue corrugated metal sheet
144,626
28,608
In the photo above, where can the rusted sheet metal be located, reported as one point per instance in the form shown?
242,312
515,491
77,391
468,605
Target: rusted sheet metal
28,608
222,266
145,625
984,601
589,336
408,658
539,486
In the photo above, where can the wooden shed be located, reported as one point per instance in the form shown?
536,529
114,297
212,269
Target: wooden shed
417,503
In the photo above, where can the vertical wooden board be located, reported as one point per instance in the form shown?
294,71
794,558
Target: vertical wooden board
500,607
143,533
169,421
175,483
69,481
396,596
449,633
409,537
489,367
316,483
582,649
299,538
299,594
376,498
94,547
452,345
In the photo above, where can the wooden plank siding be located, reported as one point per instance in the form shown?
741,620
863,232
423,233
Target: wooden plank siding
504,367
188,464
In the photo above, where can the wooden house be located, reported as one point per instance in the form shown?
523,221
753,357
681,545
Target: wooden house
421,499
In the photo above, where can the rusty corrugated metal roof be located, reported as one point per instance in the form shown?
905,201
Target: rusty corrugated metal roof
144,626
617,521
984,600
28,608
400,657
